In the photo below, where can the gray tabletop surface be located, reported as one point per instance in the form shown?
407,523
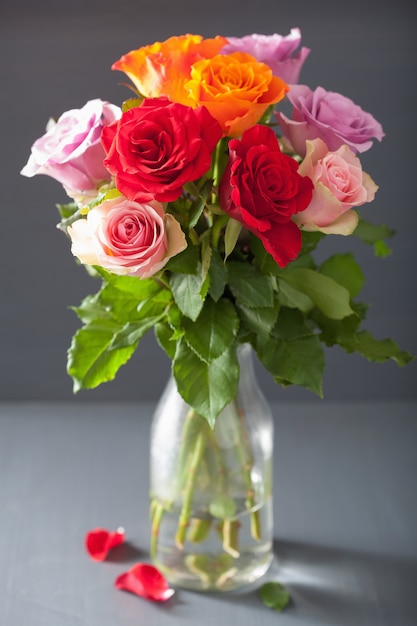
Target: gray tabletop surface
345,518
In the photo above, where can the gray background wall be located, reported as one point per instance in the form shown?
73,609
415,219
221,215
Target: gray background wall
56,55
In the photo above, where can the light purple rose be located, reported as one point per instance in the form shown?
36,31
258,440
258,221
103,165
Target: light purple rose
71,150
329,116
277,51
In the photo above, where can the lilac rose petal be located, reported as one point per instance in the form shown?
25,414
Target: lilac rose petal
277,51
329,116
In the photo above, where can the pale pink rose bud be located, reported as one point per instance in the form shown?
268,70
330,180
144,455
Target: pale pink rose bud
339,185
127,238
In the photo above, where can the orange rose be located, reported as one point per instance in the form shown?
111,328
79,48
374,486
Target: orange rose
161,69
235,88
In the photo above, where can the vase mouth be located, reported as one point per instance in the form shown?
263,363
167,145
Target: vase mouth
244,351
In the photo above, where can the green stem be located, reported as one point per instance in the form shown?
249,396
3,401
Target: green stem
198,529
246,462
221,156
184,518
230,534
192,189
218,226
194,237
157,509
157,512
216,171
218,470
188,435
158,278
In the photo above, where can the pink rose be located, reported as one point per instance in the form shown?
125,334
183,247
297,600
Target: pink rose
329,116
127,238
71,150
276,51
339,185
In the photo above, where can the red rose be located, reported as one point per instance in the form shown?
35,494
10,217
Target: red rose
262,189
154,149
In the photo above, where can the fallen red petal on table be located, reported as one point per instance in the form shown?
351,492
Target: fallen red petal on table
100,541
146,581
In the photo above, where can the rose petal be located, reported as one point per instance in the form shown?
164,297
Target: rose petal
100,541
146,581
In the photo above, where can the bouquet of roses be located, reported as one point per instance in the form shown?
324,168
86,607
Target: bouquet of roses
199,204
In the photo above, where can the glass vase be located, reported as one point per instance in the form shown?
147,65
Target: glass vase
211,489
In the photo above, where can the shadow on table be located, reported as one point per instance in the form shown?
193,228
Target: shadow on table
125,553
338,587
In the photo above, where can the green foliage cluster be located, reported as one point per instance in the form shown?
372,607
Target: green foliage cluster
224,290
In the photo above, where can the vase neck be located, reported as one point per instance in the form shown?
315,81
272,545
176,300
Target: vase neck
247,372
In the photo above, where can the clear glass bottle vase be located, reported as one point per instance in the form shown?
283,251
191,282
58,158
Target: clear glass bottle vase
211,490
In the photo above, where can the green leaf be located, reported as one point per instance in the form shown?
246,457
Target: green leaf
231,236
175,318
132,332
374,235
69,210
310,241
164,337
330,297
140,288
90,362
377,350
214,330
104,195
222,507
186,261
208,388
304,260
131,103
293,298
122,305
259,320
156,305
69,213
381,249
200,203
340,332
217,275
296,362
291,325
274,595
91,309
186,292
249,286
266,117
206,253
344,270
371,233
125,306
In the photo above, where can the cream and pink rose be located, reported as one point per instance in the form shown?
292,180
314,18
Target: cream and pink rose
277,51
339,185
127,238
71,151
329,116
